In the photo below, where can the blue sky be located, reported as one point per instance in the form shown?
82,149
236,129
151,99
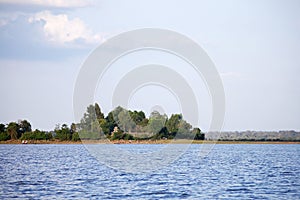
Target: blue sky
255,46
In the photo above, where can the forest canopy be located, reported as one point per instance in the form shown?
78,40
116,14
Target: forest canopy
121,123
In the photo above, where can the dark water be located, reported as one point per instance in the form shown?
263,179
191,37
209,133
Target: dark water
228,172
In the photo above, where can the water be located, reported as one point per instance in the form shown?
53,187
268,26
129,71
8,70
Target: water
228,172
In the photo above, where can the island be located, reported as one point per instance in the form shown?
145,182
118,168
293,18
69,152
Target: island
122,126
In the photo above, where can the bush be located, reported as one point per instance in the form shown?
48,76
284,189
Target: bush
75,137
117,135
36,135
49,136
127,136
85,135
4,136
200,136
163,134
122,136
63,134
187,135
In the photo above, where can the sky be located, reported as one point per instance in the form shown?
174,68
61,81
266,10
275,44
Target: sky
254,45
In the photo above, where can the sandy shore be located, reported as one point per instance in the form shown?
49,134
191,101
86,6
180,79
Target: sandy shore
146,142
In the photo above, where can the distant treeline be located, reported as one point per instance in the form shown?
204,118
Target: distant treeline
118,124
254,136
22,130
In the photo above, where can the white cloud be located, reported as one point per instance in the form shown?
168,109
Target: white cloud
60,29
49,3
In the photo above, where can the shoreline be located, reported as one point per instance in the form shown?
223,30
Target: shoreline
147,142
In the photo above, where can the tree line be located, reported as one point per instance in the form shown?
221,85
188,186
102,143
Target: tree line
125,124
22,130
119,124
286,135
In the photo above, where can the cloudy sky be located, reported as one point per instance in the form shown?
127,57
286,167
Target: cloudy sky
254,45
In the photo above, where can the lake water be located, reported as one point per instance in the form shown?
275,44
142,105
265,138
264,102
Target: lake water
228,172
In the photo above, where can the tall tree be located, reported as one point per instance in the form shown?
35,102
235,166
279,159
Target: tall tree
73,128
184,127
25,126
184,130
197,134
137,116
156,122
173,123
125,122
110,123
13,130
63,133
99,114
88,119
116,112
2,128
3,133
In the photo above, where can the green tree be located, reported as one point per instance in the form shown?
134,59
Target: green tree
88,119
118,117
4,136
28,136
73,128
162,134
198,135
173,123
116,112
156,122
48,136
39,135
119,135
125,122
138,117
64,133
110,123
36,135
75,137
105,126
98,112
3,133
13,130
2,128
24,126
96,127
184,130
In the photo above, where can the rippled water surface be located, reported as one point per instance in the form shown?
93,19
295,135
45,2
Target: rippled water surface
228,172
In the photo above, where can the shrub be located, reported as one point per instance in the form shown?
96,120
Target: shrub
36,135
120,135
75,137
85,135
4,136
